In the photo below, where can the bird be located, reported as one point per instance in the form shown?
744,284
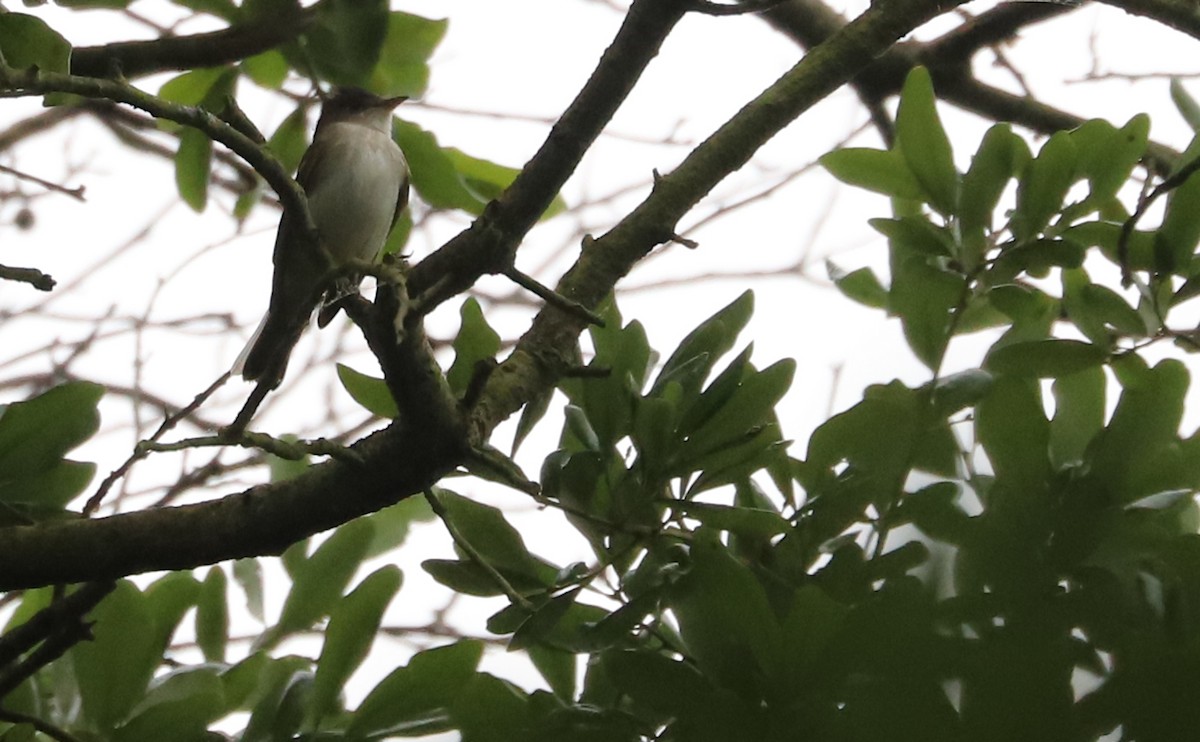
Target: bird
356,181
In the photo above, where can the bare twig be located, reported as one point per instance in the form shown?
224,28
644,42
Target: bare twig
31,276
76,192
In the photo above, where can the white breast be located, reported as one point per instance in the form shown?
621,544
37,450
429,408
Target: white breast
354,189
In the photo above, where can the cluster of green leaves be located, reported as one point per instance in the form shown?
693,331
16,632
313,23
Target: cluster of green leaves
127,683
37,481
1077,551
889,584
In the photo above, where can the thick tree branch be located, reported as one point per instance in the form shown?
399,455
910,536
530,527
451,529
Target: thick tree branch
138,58
398,462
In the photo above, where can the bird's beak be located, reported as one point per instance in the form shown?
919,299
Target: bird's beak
391,103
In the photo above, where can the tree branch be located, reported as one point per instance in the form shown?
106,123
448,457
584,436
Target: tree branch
809,22
546,349
398,462
487,246
31,276
33,82
139,58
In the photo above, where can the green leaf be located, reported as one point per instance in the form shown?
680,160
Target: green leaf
353,624
488,179
31,601
248,574
26,41
489,709
212,615
711,339
1002,155
608,402
179,706
370,392
536,626
812,622
35,484
192,164
1185,104
752,522
734,461
924,144
867,434
1044,185
924,298
245,680
168,599
192,87
935,510
36,433
291,139
45,494
417,696
958,391
282,469
1012,427
275,715
861,285
469,578
725,618
751,405
321,580
557,667
916,234
434,176
1035,258
654,422
486,529
403,67
1095,308
268,69
1046,358
718,393
114,668
531,415
1107,155
476,341
344,42
1124,458
876,170
1176,240
393,523
1079,408
669,686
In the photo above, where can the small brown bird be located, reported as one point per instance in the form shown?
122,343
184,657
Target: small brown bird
356,180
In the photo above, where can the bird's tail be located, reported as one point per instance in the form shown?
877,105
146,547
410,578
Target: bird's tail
266,354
